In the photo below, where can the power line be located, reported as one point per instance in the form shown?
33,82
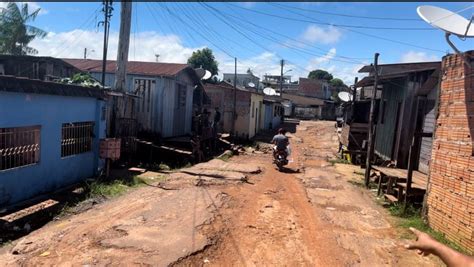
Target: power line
379,37
311,20
347,15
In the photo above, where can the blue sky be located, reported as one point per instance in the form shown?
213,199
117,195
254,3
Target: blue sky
295,32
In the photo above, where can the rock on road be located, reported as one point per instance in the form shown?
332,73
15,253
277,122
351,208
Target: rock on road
309,215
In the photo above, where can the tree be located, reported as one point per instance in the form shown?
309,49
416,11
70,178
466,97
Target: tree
336,82
320,75
205,59
15,32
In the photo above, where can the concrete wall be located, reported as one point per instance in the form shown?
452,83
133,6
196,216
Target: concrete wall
52,171
450,202
272,118
256,114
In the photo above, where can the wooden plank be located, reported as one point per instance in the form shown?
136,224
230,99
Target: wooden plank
390,198
413,185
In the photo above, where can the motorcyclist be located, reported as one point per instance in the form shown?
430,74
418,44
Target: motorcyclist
280,141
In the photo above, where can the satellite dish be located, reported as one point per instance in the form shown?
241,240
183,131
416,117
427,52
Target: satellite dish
449,22
269,91
251,84
207,75
200,72
446,20
344,96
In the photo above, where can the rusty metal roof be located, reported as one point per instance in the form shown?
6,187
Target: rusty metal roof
398,68
133,67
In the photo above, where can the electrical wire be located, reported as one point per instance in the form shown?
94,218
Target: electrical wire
311,20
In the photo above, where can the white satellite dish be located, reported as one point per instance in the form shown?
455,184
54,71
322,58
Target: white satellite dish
344,96
207,75
449,22
446,20
269,91
251,84
200,72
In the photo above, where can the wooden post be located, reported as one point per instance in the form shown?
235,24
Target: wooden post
281,78
234,111
412,154
123,45
354,89
370,145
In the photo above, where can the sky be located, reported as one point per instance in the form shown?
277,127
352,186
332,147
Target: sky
258,34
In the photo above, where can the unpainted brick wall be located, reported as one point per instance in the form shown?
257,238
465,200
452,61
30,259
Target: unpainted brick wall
451,189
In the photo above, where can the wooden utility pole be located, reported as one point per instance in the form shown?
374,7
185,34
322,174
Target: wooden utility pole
234,111
107,9
370,143
281,78
123,45
85,53
354,89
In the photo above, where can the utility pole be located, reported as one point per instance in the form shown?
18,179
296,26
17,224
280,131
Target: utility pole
354,89
370,143
123,45
234,111
281,78
107,9
85,53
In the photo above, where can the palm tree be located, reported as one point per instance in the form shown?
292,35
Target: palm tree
15,32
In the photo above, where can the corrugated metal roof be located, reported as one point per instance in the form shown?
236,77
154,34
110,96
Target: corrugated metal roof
386,69
133,67
303,100
25,85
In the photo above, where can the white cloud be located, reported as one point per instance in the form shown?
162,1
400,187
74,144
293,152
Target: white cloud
31,7
412,56
328,35
143,46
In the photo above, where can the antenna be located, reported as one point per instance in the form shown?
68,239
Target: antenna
269,91
207,75
449,22
344,96
156,57
251,84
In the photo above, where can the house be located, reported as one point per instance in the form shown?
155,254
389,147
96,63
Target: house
404,89
249,108
302,107
274,112
314,88
273,81
165,90
49,136
243,79
33,67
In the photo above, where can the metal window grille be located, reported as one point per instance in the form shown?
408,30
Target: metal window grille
19,146
76,138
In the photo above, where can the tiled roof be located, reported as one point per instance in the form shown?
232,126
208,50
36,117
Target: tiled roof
133,67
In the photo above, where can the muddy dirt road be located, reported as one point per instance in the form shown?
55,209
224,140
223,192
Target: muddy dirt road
237,213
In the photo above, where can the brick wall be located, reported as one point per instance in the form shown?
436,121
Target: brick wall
451,190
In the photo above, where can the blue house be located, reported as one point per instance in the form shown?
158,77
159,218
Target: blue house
274,112
49,136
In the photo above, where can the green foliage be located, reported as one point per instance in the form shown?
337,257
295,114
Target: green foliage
336,82
83,79
15,32
205,59
411,217
113,188
320,75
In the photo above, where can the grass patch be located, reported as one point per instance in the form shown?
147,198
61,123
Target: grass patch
114,187
411,217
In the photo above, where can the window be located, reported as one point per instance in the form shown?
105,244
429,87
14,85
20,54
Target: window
76,138
19,146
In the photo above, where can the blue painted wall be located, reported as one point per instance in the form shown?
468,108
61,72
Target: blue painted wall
275,121
52,171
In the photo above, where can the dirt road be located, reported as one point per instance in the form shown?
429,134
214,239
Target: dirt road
225,214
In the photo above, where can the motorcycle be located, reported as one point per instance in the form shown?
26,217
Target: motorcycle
280,158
